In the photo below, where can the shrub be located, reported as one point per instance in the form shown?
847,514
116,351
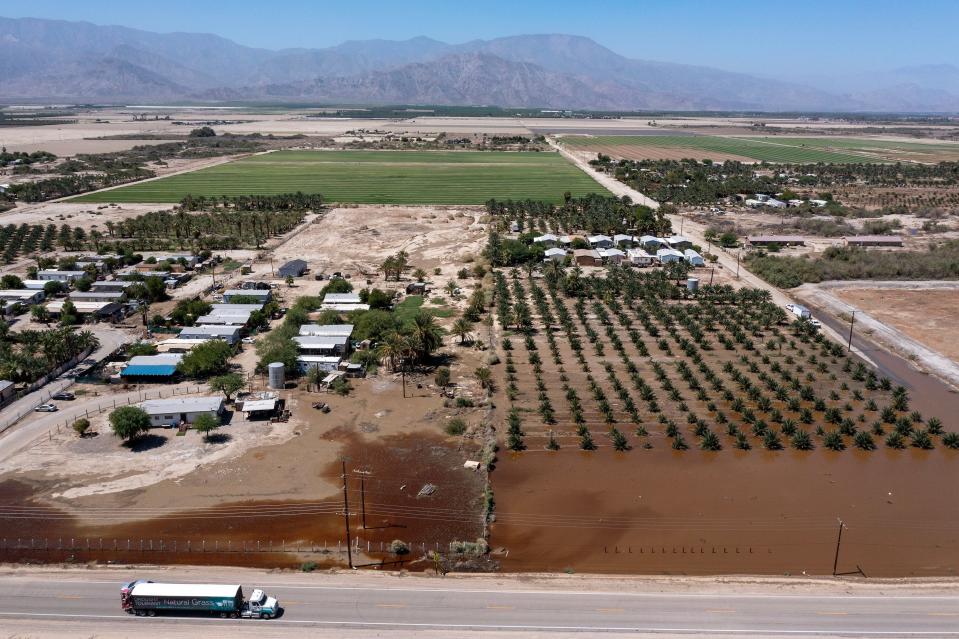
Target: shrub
455,426
308,566
399,547
442,376
81,426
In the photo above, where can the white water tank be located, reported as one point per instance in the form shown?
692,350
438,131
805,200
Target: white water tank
277,375
692,284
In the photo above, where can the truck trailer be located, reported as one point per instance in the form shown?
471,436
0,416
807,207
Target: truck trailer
146,598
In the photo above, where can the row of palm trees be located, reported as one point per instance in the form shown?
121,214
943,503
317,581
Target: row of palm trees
28,355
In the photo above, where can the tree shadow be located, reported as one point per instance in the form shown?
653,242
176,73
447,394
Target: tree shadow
147,442
218,438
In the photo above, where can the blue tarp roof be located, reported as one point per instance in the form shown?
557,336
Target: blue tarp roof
163,370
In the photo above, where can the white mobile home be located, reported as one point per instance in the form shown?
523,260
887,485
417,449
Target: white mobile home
694,258
174,411
667,255
639,257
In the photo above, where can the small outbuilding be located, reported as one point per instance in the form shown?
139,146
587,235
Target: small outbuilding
293,268
155,367
639,257
587,257
600,241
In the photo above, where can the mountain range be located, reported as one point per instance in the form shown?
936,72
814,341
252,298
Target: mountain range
53,60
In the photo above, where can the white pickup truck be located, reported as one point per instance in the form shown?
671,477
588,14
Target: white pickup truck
803,313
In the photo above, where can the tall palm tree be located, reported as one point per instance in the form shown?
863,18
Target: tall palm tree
463,328
425,335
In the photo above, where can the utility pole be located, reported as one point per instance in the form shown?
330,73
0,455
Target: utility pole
835,561
738,254
346,519
712,272
363,499
272,272
852,320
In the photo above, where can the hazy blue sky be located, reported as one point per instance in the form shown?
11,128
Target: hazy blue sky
759,36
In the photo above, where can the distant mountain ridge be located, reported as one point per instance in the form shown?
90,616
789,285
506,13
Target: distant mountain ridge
61,60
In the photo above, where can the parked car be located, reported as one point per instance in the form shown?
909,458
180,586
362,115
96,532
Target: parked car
46,408
64,396
248,340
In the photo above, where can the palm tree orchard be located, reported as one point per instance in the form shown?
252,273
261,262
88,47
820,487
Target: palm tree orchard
629,360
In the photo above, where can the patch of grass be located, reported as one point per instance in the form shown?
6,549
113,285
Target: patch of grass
409,307
374,177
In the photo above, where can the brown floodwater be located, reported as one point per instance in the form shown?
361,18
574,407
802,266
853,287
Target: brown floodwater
758,512
278,533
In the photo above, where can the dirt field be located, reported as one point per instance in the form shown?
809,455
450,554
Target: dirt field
632,152
928,316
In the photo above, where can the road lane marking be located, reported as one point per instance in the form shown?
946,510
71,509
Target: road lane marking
393,605
69,597
943,614
730,610
610,610
501,607
831,613
361,624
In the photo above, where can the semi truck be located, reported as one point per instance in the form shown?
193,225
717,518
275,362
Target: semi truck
146,598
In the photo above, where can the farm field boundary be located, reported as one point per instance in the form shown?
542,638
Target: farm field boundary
373,177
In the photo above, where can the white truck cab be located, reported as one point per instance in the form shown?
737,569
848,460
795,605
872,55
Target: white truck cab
260,606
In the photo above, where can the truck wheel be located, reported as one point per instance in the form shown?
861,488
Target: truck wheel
152,613
139,613
233,615
222,615
267,616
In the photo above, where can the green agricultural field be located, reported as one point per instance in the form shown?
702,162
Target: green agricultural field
879,150
775,150
374,177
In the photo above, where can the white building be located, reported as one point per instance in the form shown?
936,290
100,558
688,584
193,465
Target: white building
694,258
612,255
262,296
555,254
667,255
177,410
330,330
621,239
679,242
322,344
55,275
97,296
326,363
639,257
651,242
21,296
600,241
547,239
228,333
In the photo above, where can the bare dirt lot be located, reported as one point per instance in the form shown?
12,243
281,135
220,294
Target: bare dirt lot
926,315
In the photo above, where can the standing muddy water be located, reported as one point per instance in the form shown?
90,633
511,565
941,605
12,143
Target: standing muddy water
755,512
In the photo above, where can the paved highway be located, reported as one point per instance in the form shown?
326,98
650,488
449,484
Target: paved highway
85,602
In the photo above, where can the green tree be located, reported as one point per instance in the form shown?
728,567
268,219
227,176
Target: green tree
442,377
129,422
463,329
227,384
485,377
206,359
206,424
